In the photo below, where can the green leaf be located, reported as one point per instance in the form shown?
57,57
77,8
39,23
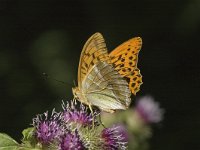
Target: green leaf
7,143
27,148
28,137
28,134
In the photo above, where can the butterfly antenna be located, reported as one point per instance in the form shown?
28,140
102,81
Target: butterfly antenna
48,77
90,107
74,83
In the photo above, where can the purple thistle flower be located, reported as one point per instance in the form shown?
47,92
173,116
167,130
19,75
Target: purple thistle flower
114,138
149,110
80,116
71,141
47,129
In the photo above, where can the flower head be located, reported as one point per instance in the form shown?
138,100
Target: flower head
71,141
149,110
114,138
73,129
78,116
47,128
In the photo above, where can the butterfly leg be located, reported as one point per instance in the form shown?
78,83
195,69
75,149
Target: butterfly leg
101,121
74,101
92,115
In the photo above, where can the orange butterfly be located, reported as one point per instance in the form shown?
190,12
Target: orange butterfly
99,84
101,76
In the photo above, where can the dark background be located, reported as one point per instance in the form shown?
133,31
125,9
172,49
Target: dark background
48,36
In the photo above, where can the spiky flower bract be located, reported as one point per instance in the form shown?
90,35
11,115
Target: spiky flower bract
48,128
114,138
78,116
71,141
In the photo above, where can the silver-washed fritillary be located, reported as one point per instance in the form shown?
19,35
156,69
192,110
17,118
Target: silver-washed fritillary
100,83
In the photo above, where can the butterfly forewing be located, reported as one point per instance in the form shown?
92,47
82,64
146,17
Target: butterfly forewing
93,51
135,80
125,58
105,88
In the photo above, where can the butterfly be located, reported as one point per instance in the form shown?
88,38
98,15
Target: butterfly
99,84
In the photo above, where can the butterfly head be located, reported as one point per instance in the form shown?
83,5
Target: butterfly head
79,95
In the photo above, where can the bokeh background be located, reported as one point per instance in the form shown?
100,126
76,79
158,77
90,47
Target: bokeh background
39,36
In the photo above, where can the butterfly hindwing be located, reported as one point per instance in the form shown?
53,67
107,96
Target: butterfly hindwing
104,87
125,58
